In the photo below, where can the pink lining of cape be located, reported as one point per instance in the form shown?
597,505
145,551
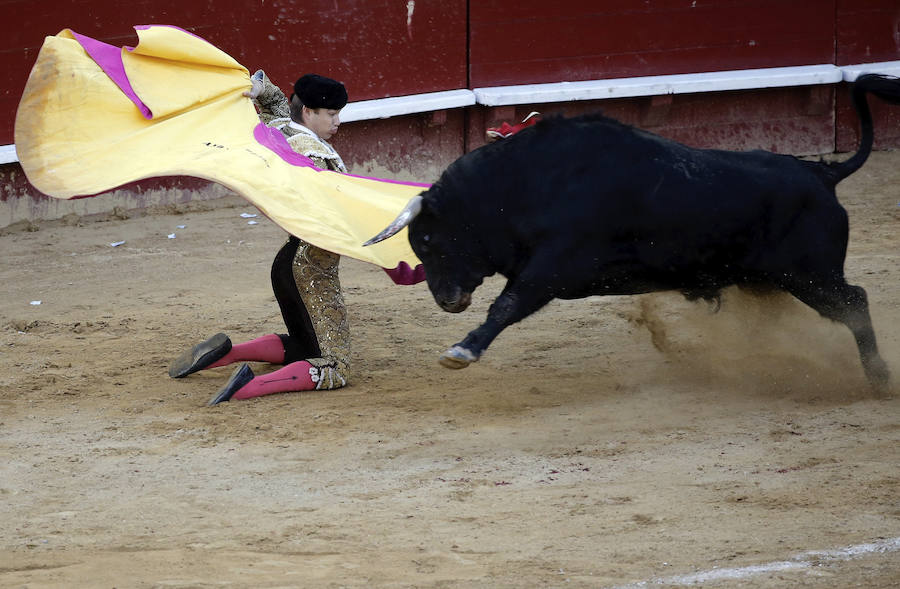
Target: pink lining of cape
109,58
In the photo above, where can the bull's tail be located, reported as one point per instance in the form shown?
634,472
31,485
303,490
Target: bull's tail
886,88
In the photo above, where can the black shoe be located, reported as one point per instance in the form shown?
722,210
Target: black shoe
241,376
200,356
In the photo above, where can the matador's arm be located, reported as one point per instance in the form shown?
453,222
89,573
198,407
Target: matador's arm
272,102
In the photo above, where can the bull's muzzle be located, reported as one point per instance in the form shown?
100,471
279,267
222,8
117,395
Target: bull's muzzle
454,304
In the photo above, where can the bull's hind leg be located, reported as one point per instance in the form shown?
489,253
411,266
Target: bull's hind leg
848,304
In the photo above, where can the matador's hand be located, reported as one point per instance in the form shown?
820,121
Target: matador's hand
257,85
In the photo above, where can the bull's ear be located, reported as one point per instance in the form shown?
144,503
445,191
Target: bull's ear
413,208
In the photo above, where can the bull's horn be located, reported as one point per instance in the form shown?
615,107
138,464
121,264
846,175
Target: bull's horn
413,208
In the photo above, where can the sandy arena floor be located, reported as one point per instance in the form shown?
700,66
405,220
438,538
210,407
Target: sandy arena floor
608,442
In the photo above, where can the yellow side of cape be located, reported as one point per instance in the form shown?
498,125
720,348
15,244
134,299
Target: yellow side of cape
78,134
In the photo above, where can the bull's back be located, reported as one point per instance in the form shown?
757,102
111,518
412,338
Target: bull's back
616,194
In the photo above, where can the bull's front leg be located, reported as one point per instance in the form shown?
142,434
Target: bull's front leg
513,305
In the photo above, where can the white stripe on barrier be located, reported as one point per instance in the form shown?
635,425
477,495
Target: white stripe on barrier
8,154
890,68
659,85
383,108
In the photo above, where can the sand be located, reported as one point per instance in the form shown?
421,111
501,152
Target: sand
606,442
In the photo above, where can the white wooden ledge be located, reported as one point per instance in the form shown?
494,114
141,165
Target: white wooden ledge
659,85
383,108
8,154
889,68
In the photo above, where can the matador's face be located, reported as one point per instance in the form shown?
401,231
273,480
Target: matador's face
324,122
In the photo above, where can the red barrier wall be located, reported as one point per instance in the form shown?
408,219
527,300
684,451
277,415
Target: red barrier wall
868,31
535,41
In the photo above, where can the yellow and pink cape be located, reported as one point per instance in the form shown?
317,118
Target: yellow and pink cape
94,116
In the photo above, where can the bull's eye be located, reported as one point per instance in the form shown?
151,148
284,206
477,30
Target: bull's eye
424,245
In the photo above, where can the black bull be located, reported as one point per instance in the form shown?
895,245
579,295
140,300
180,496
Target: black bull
587,206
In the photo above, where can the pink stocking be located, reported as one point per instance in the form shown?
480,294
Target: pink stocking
267,348
293,377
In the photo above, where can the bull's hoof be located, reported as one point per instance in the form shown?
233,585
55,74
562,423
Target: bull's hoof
457,357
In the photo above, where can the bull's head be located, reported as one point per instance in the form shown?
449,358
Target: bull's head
453,268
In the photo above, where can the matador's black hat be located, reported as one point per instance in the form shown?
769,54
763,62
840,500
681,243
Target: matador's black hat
316,91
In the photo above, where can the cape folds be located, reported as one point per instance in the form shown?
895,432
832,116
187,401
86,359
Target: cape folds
94,116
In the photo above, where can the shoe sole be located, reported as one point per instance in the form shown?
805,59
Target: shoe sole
200,356
239,377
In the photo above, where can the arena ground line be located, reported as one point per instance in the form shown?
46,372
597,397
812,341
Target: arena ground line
805,560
